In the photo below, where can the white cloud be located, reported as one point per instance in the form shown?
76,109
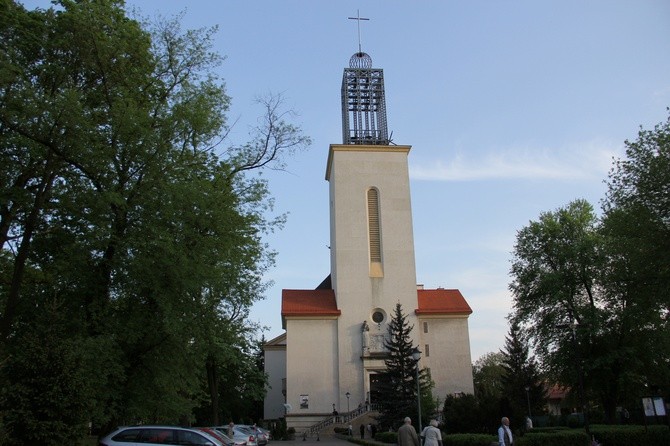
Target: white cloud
661,93
586,160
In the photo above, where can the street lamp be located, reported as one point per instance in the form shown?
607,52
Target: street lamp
416,355
347,395
528,399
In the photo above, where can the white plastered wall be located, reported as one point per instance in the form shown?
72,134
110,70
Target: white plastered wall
351,171
449,361
275,368
311,366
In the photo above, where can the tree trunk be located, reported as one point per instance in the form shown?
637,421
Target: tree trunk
23,253
213,383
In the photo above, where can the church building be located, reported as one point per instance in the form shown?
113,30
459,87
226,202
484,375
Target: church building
333,344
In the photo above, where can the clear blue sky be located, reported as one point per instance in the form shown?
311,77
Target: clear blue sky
513,108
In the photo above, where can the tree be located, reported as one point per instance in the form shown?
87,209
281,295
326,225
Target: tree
636,226
555,273
463,414
594,292
523,388
398,387
487,373
122,213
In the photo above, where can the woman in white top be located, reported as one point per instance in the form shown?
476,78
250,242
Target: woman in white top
431,435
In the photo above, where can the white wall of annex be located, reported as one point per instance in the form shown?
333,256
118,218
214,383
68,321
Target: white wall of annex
450,360
311,364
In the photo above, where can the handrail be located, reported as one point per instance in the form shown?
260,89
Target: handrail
341,418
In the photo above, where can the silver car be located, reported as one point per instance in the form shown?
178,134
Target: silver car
164,435
256,435
240,437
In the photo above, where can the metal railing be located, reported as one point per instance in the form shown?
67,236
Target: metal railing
340,419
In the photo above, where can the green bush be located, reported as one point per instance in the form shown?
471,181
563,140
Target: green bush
469,440
557,438
631,435
387,437
547,430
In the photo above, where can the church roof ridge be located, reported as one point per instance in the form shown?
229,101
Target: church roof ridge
322,302
441,301
309,303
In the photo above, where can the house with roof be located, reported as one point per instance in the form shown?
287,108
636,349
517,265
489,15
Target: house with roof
332,350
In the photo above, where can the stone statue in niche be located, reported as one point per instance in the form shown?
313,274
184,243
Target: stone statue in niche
366,338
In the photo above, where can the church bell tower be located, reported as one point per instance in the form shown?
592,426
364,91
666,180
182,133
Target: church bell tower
363,103
330,357
372,242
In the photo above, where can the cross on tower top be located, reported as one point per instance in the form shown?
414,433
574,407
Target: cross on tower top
358,19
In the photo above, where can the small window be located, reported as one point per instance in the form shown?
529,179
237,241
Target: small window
425,327
426,349
378,317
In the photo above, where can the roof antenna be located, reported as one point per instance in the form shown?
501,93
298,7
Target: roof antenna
358,18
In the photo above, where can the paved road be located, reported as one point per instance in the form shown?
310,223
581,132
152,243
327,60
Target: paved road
322,440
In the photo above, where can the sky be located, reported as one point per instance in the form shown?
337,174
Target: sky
512,108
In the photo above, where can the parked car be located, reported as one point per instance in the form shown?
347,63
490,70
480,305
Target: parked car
222,437
253,435
265,432
164,435
240,437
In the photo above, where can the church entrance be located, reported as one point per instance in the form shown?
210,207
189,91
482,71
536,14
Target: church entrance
376,381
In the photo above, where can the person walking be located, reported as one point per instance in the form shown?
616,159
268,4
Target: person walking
432,436
362,429
504,433
407,434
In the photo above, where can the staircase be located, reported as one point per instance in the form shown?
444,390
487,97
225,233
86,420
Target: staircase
327,425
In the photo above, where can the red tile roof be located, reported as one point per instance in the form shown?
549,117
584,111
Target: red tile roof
557,392
322,302
309,303
441,301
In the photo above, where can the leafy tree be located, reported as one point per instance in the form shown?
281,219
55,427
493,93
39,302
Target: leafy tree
487,373
636,226
594,292
398,387
555,283
462,414
122,213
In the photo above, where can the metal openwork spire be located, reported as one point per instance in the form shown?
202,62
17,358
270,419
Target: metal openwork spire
363,99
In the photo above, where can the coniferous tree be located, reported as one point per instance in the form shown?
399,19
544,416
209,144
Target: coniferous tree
521,382
397,397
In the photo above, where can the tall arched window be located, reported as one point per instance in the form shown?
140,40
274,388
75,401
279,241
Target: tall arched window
374,233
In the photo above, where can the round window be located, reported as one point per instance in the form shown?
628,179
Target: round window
378,317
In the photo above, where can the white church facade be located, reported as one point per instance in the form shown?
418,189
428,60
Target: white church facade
333,345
